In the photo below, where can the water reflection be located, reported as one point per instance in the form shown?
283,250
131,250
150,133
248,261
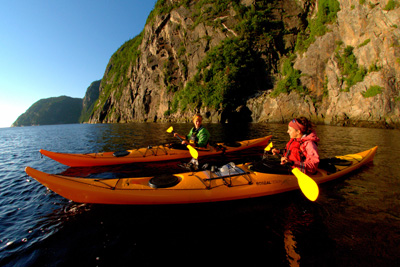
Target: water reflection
115,137
290,246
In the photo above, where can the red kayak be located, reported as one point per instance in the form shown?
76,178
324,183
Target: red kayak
149,154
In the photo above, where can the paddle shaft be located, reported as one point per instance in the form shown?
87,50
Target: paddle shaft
177,136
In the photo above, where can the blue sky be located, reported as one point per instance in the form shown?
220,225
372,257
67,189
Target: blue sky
51,48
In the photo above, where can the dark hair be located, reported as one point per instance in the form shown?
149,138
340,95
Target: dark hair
307,124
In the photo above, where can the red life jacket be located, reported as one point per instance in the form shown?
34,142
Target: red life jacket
304,151
294,151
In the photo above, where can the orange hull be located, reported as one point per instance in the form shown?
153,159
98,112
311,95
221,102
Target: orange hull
202,186
153,154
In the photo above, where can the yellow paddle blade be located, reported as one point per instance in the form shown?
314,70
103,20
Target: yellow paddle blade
170,129
307,185
268,148
193,152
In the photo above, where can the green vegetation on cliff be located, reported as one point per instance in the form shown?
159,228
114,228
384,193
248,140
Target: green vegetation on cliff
327,13
54,110
351,71
235,69
117,68
290,79
91,96
373,91
224,78
392,4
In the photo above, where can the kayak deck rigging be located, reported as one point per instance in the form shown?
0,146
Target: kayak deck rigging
226,177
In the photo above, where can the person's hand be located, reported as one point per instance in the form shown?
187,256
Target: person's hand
275,151
184,142
175,134
286,161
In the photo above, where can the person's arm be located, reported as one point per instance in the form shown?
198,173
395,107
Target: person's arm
184,141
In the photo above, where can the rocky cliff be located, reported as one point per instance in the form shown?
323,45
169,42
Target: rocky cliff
89,100
365,36
335,61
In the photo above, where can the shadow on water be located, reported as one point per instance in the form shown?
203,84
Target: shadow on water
355,221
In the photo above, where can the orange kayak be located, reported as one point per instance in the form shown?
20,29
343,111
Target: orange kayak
149,154
227,183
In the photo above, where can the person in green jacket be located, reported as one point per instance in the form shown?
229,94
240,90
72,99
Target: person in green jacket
198,135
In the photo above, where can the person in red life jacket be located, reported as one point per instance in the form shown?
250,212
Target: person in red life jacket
301,151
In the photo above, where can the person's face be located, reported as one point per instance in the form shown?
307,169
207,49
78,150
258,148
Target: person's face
293,133
197,123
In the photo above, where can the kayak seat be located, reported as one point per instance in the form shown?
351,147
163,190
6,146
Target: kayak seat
232,144
269,166
177,146
121,153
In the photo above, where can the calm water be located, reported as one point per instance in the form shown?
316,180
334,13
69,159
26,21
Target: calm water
355,221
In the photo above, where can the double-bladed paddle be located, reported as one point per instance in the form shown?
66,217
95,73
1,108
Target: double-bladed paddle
307,185
193,152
